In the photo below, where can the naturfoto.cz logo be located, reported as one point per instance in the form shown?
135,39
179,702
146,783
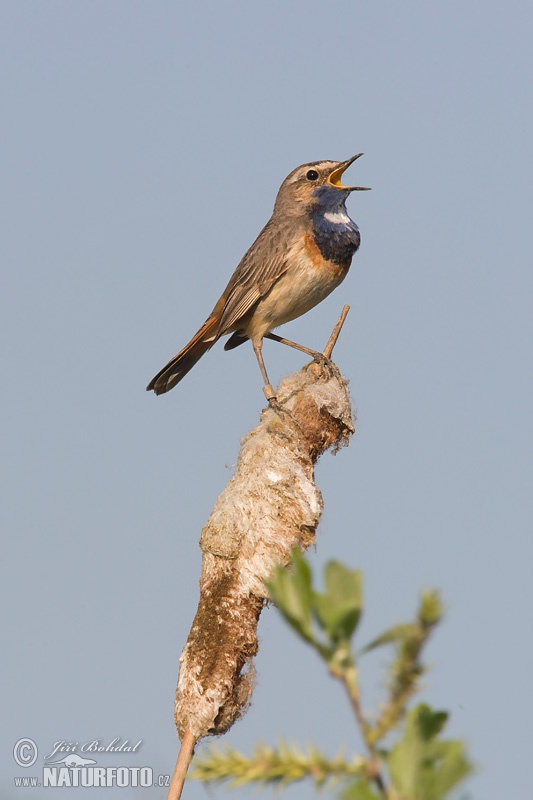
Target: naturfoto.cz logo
70,769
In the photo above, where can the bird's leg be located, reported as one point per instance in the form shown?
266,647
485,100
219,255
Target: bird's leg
268,389
320,357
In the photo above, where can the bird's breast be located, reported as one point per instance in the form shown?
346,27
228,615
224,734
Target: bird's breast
308,279
336,236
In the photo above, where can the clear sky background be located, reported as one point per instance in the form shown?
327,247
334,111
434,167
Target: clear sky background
143,144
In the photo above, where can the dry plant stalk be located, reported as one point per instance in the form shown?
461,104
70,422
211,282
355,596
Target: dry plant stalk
270,505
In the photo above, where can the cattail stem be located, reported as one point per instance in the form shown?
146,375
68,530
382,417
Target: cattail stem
182,765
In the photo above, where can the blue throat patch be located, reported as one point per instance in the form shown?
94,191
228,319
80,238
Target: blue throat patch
336,235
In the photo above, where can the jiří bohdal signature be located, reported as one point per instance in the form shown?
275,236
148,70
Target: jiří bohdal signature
69,750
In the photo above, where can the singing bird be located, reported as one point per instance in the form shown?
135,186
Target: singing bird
301,255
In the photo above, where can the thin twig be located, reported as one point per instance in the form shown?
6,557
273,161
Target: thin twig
182,765
353,694
328,350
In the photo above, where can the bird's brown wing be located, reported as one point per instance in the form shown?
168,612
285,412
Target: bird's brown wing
261,266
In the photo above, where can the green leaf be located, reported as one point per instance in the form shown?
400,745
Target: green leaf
360,791
395,635
430,723
420,766
344,585
291,592
338,622
338,610
453,766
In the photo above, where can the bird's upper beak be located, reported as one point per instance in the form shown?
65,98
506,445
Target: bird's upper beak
335,176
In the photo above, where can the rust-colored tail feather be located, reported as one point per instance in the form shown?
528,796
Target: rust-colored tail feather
179,366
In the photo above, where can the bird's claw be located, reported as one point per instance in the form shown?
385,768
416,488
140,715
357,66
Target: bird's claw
320,358
275,405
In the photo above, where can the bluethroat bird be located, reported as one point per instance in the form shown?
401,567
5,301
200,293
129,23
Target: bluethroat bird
301,255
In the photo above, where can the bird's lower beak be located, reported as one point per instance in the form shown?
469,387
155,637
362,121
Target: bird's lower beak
335,177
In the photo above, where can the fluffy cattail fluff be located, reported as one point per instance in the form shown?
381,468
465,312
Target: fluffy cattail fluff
269,506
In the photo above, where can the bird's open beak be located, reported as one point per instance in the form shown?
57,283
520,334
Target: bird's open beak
335,177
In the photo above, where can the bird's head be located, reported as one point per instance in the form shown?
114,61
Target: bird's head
315,184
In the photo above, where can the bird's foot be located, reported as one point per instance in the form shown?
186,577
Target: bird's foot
329,368
276,406
284,413
320,358
273,401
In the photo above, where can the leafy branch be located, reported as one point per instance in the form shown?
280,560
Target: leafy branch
419,765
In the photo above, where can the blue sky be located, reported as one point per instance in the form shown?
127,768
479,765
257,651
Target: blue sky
143,145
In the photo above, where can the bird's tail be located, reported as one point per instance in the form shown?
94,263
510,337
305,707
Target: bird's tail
179,366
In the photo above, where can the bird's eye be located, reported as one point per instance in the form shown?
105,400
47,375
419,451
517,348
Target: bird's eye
312,175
